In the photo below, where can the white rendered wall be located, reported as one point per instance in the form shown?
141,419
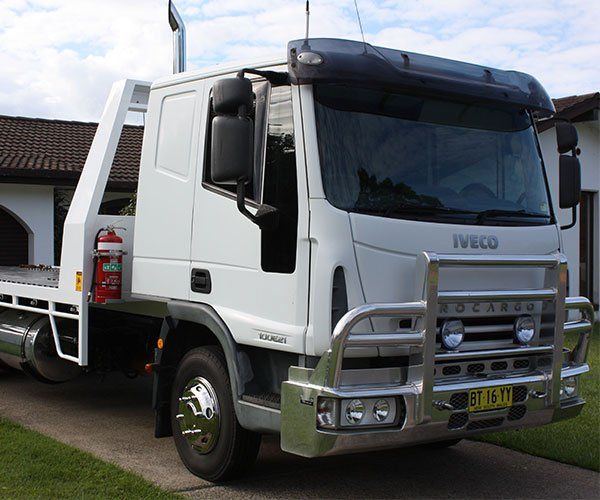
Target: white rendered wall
589,143
34,207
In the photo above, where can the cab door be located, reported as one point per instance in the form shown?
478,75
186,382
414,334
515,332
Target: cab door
256,280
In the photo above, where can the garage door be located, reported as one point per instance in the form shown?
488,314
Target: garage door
14,241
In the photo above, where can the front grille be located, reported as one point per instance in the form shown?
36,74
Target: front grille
451,370
519,394
483,328
457,421
517,412
459,400
499,365
485,424
544,361
519,364
476,368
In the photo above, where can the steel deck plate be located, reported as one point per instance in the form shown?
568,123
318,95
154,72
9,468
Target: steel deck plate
47,277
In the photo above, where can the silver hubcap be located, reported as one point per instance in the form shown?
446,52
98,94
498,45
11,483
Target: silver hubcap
199,416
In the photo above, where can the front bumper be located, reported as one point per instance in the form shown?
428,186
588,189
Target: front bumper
428,416
300,434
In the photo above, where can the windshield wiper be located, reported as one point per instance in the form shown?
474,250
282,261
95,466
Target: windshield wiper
426,209
490,214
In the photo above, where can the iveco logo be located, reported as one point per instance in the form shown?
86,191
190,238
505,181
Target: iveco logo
475,241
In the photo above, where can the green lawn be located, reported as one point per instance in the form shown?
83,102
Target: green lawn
575,441
36,466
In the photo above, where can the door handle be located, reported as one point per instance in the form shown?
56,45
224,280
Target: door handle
201,282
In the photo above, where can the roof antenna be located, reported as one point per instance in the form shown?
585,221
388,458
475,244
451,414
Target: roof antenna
360,24
307,19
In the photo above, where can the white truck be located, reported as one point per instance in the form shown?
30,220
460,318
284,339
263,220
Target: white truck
354,248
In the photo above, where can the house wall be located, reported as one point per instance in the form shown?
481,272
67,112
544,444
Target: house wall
34,207
589,143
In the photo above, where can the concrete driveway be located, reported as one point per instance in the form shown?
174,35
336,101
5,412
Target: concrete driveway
112,419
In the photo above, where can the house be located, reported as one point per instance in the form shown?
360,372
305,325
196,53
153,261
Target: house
40,164
581,242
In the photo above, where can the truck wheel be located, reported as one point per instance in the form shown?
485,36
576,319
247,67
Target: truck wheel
207,434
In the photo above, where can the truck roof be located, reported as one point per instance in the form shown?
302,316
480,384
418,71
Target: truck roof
362,64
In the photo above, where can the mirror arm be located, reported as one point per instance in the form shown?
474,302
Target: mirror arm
273,77
241,203
573,220
266,218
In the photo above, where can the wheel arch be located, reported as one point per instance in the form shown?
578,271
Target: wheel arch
191,325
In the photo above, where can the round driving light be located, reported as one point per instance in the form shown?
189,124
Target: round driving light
453,333
355,411
381,410
524,329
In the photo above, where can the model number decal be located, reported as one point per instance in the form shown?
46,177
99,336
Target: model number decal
272,337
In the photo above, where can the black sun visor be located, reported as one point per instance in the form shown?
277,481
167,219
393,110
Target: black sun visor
330,60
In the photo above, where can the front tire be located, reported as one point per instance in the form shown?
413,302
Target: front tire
208,437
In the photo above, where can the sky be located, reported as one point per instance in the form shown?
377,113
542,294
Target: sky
58,58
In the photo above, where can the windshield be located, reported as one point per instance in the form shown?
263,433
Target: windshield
422,158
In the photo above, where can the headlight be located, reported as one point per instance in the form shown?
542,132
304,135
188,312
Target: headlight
381,410
524,329
355,411
453,333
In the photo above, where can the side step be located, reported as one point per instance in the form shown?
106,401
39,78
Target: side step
268,399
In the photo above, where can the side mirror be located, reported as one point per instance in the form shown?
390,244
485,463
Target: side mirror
232,142
230,94
566,137
569,178
569,174
232,149
232,145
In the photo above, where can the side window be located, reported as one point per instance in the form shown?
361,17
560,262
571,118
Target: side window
280,184
257,114
175,135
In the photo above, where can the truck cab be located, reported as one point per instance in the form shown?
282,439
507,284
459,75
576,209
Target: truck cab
353,247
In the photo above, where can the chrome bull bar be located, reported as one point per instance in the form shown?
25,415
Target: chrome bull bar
327,377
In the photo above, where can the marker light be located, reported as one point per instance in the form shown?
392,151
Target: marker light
326,413
310,58
524,329
568,387
453,333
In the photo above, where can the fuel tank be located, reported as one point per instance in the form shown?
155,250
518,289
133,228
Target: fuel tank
26,344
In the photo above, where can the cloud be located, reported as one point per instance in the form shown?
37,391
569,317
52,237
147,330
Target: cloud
59,57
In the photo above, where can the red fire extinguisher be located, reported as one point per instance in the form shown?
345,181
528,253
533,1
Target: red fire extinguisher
109,266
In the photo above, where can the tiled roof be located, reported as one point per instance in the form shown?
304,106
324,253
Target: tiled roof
55,150
563,103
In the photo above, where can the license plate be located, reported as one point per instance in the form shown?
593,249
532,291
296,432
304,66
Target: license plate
490,398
